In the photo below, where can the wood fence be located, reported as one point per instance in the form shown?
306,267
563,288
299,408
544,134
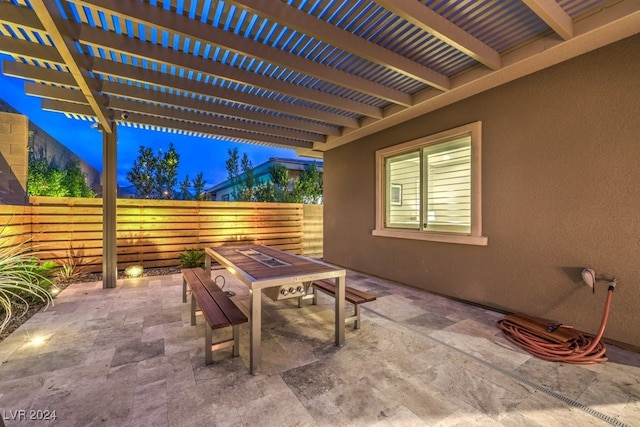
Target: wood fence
154,232
312,232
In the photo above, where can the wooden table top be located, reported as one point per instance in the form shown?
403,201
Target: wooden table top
263,262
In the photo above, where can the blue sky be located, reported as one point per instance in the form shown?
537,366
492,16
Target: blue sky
196,154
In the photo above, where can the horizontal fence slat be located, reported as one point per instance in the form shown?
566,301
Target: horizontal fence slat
154,232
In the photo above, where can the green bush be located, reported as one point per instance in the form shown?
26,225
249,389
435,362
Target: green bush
47,179
190,258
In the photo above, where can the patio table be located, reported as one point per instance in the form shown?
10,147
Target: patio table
282,275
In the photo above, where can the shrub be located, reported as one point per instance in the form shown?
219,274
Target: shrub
190,258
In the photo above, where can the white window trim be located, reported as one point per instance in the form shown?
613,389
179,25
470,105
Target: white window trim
476,237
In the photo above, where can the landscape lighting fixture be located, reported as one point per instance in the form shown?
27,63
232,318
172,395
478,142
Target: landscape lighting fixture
133,271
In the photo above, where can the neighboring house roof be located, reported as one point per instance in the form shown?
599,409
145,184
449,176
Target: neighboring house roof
262,170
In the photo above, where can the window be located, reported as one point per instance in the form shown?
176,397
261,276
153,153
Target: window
430,189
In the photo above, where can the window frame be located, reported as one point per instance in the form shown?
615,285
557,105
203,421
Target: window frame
475,237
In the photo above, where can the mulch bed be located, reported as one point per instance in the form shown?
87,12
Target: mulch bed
15,322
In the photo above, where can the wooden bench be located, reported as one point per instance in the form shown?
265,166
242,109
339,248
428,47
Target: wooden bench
354,296
216,307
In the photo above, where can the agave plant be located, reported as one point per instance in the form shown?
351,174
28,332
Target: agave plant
23,280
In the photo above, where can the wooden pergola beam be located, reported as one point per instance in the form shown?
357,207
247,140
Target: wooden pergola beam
152,52
345,40
428,20
195,30
184,126
553,14
63,39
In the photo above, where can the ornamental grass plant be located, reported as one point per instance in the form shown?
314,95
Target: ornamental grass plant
24,281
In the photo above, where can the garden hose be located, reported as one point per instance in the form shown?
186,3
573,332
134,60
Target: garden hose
581,349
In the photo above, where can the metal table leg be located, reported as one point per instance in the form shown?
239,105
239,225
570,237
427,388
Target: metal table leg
207,264
255,330
340,286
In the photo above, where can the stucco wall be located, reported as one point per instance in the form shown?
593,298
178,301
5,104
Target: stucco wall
13,159
561,178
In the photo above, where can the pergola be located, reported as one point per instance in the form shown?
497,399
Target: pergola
309,75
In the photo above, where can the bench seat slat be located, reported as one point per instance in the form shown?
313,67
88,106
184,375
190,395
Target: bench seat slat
208,306
354,296
232,314
217,309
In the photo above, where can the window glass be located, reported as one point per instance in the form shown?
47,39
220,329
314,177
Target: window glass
448,186
403,195
430,188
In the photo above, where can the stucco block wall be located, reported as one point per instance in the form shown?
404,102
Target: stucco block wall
14,133
560,183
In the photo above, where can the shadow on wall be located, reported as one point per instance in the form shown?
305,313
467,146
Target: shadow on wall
11,191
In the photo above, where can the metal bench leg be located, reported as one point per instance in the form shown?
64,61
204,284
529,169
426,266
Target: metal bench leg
193,310
184,289
357,316
307,296
236,340
208,341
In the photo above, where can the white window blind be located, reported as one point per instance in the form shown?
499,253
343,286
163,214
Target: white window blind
404,190
448,186
430,188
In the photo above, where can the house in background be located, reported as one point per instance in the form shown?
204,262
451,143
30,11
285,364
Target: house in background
19,135
224,190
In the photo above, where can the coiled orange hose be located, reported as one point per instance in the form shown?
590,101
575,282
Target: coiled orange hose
584,350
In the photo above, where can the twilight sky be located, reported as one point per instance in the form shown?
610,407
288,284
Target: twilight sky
196,154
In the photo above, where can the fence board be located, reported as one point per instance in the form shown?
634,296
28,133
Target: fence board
312,230
15,225
154,232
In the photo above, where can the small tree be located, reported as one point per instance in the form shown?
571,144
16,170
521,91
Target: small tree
308,187
198,187
244,183
155,176
184,188
167,176
142,174
277,189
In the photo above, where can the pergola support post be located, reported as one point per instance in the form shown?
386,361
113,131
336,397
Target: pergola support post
109,198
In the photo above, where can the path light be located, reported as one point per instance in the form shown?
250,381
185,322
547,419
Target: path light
37,340
133,271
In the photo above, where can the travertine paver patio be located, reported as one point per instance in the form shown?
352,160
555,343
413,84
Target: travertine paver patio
129,357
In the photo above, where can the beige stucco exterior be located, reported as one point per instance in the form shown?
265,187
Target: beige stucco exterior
14,132
561,191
